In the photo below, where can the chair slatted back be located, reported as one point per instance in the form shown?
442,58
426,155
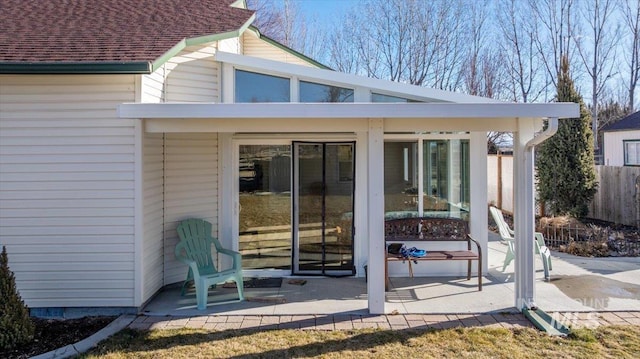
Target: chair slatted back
196,240
503,227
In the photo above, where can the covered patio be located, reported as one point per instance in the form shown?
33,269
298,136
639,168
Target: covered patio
367,124
616,288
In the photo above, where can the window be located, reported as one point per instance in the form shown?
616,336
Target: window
631,153
254,87
378,97
427,178
313,92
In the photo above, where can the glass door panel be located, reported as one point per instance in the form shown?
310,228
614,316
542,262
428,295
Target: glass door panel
265,206
323,208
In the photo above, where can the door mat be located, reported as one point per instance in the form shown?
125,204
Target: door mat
297,281
257,283
276,300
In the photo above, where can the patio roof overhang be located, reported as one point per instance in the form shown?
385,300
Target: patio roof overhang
223,117
374,119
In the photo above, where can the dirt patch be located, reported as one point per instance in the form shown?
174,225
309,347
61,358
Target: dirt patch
52,334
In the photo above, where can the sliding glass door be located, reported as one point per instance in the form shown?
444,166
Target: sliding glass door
265,206
323,188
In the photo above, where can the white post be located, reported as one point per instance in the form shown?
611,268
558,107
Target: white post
478,177
524,213
375,216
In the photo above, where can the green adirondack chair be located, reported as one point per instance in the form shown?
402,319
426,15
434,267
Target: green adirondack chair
194,250
507,235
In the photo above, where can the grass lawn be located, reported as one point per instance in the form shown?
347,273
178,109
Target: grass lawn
604,342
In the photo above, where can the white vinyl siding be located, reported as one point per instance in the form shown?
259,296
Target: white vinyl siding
191,190
153,199
192,75
152,88
614,146
67,188
253,46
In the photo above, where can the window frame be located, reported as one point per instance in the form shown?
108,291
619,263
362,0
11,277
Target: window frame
625,152
235,84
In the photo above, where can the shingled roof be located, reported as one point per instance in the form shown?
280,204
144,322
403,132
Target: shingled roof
73,34
631,122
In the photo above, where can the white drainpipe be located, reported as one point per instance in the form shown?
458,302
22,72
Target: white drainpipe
552,128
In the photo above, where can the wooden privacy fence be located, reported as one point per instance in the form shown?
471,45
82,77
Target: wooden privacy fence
618,196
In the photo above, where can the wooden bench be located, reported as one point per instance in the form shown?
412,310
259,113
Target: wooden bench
413,231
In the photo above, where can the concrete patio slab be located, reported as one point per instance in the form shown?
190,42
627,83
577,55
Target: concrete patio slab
614,285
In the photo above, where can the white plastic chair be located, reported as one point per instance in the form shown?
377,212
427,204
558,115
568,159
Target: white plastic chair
507,235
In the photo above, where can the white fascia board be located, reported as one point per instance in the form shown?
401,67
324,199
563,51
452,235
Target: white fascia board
349,110
347,80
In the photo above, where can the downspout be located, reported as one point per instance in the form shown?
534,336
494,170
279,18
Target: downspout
552,128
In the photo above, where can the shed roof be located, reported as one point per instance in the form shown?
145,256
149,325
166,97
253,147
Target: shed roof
99,32
631,122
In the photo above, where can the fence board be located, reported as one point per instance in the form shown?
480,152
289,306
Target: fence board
617,199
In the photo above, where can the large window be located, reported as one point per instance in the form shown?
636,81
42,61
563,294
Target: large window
426,178
314,92
632,153
255,87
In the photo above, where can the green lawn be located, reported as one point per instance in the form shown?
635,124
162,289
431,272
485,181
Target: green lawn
604,342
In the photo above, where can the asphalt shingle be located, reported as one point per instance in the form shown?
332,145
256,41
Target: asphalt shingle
90,31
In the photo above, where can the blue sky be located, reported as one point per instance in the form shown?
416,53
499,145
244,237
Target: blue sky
324,10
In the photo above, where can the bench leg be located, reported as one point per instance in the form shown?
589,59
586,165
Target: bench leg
386,275
480,273
469,269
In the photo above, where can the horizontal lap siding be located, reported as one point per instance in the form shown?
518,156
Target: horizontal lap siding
67,188
191,190
252,46
153,198
153,91
192,75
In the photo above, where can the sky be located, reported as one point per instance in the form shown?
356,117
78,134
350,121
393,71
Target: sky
324,10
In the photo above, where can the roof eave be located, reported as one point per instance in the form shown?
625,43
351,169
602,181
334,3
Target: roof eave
349,110
175,50
75,68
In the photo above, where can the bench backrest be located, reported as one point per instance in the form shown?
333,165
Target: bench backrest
426,229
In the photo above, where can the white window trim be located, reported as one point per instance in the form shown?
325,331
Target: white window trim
625,152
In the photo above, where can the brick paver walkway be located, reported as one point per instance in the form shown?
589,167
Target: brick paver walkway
392,322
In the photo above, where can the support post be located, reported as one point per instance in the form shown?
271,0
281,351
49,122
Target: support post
524,215
375,216
479,182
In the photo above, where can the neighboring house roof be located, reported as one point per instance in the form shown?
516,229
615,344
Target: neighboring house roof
93,36
631,122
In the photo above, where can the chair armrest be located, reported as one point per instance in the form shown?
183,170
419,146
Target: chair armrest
540,239
237,256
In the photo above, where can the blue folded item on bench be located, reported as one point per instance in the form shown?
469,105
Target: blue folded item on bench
415,252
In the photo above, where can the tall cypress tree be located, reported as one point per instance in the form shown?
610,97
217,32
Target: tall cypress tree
565,164
16,328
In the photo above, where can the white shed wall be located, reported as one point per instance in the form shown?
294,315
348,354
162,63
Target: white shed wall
191,190
67,188
613,148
